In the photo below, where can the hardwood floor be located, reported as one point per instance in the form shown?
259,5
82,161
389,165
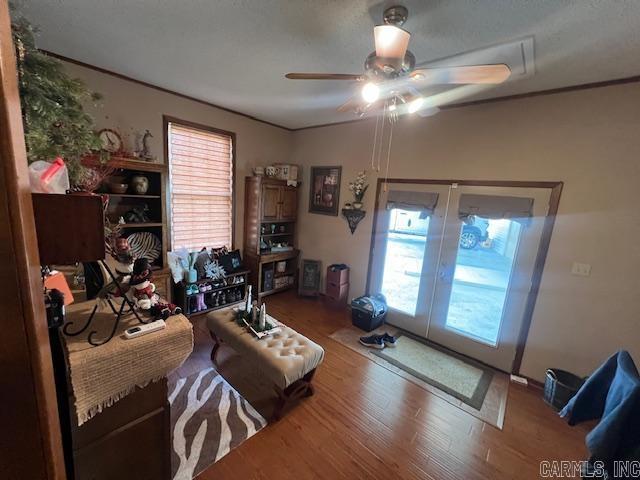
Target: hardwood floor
365,421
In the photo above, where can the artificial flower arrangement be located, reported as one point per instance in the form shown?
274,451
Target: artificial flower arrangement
359,187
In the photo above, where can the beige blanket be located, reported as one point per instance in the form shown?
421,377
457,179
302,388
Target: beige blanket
102,375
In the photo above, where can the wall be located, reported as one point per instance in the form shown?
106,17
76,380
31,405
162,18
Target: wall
130,107
589,139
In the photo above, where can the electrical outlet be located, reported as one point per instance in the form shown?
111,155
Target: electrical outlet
581,269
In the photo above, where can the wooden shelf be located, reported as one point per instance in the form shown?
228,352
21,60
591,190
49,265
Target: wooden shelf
130,195
226,305
125,163
218,289
141,225
286,273
275,290
278,221
276,234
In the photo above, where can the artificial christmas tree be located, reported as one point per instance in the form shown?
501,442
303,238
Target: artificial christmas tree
55,123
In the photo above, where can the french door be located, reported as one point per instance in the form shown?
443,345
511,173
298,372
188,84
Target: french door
459,271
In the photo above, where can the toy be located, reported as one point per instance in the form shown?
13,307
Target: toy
165,310
142,290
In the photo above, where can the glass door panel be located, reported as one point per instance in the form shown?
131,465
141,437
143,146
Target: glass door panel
482,273
406,246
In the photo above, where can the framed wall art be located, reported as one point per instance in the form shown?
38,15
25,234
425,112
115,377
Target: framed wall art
324,190
310,273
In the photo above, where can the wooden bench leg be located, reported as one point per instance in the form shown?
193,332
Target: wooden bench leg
216,346
297,390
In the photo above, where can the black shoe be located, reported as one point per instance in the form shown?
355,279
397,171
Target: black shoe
374,341
389,340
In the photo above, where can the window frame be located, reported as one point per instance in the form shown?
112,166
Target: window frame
166,120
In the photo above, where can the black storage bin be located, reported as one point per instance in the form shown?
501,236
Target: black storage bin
368,312
560,386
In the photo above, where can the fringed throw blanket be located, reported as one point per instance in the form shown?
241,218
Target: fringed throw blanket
102,375
208,419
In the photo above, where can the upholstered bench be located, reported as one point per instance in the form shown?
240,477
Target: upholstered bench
287,358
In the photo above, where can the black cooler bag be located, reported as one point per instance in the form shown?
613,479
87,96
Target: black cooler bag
368,312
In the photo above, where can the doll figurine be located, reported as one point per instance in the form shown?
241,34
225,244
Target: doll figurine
141,290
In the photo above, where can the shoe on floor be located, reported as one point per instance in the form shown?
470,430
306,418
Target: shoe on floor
389,340
374,341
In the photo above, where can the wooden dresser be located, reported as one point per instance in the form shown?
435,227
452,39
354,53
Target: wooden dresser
271,208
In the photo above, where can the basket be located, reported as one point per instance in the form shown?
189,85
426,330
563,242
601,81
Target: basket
560,386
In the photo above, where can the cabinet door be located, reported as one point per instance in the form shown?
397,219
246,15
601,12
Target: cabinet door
289,203
270,202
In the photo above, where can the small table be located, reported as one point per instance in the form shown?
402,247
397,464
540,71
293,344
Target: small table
287,358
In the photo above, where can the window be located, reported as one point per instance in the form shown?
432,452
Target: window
201,179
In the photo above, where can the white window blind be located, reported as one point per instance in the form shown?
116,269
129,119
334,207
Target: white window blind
201,178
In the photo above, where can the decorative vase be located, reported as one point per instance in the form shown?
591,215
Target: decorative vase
192,275
139,184
357,205
348,206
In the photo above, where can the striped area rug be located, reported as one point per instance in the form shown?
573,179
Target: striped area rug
208,419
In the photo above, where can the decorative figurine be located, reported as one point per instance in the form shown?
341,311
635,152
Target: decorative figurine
145,153
138,214
142,290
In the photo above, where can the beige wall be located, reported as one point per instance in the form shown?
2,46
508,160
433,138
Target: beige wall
588,139
130,107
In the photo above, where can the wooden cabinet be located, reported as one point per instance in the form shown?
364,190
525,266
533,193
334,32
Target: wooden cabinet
279,202
271,202
271,208
288,203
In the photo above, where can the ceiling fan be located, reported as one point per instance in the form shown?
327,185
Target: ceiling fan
392,82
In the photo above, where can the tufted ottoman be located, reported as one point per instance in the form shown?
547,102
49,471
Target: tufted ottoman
287,358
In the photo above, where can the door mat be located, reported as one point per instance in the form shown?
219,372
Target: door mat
454,374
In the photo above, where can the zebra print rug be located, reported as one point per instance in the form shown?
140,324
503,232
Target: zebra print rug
208,419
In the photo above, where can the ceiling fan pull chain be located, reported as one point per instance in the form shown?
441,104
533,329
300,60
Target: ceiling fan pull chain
384,114
386,175
375,142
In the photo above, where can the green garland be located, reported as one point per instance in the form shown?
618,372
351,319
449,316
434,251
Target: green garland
55,123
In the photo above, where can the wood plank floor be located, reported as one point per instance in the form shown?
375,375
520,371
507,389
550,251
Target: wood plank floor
367,422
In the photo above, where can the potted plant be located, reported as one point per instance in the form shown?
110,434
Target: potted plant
359,187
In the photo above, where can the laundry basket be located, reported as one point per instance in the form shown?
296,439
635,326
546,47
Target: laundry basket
560,386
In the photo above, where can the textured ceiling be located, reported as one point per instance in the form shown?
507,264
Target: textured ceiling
234,53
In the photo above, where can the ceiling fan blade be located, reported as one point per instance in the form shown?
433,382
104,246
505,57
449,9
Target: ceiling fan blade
477,74
391,42
323,76
350,105
427,111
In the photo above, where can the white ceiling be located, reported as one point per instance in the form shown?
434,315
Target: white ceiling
235,53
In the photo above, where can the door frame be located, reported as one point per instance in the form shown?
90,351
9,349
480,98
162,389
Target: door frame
32,444
541,256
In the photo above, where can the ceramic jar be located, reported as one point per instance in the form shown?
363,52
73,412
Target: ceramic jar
139,184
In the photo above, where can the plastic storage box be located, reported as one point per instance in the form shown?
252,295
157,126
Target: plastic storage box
368,312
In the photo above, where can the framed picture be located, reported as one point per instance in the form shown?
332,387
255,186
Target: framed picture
231,262
324,190
310,278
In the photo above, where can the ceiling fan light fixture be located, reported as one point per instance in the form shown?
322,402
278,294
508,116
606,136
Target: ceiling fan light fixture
416,105
370,92
391,41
